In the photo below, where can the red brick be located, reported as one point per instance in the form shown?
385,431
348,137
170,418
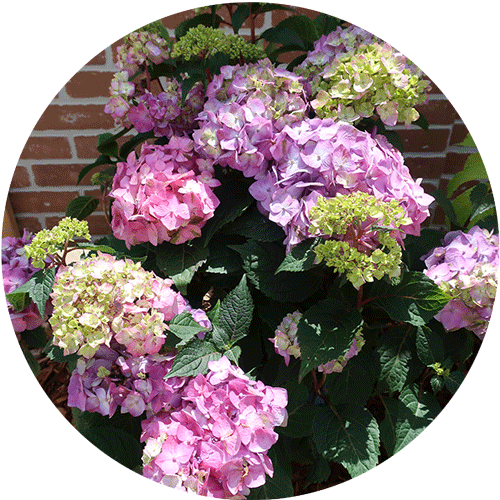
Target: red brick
37,202
96,193
426,168
421,141
62,175
46,147
438,112
89,84
68,117
30,223
86,146
20,178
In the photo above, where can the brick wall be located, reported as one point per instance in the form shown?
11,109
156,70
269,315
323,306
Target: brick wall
65,136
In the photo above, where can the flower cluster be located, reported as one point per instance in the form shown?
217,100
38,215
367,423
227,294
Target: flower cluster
113,379
215,441
203,41
366,238
49,242
466,268
286,344
164,195
102,299
353,76
246,106
165,113
140,48
17,270
314,158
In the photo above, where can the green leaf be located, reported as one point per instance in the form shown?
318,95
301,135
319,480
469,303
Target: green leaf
215,63
301,257
38,287
468,142
418,246
482,202
325,332
193,359
234,201
180,262
81,207
445,203
19,299
350,435
430,348
300,411
102,160
355,383
35,338
185,327
301,25
222,260
239,16
89,247
130,145
117,444
417,412
415,299
56,354
284,36
474,170
255,226
260,262
325,24
406,417
454,380
107,145
137,253
422,122
437,383
319,472
235,314
394,350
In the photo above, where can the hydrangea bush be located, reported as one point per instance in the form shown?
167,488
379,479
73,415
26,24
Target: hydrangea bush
269,298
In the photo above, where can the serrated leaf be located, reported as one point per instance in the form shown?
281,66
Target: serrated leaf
325,332
417,412
394,350
437,383
38,287
319,472
300,411
184,327
93,247
117,444
300,257
301,25
482,202
430,348
81,207
415,299
235,314
193,359
350,435
260,262
180,262
35,338
18,299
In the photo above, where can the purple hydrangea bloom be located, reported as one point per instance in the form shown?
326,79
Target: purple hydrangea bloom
313,158
466,267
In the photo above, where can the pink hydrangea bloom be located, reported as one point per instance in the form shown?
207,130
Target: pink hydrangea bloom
314,158
286,344
215,442
17,270
466,267
164,195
